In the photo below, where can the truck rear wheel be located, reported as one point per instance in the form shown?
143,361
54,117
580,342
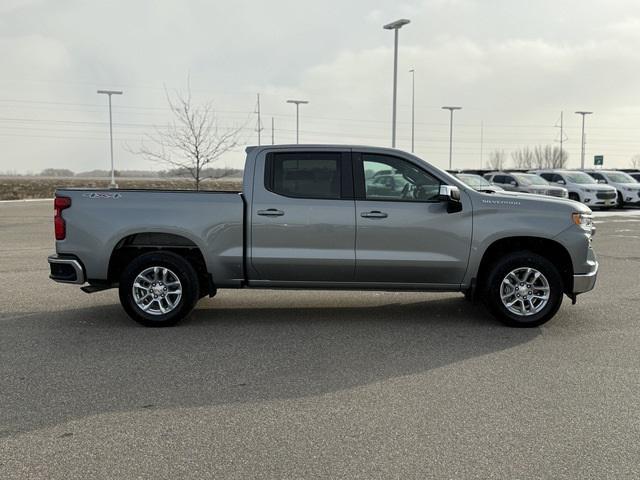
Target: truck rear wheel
524,290
158,289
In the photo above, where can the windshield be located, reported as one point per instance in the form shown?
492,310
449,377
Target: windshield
619,177
528,179
579,177
474,180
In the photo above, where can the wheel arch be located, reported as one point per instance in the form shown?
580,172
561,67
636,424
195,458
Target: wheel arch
545,247
135,244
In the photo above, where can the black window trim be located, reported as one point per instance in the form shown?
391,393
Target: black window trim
359,180
345,171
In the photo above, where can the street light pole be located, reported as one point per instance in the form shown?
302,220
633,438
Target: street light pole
109,93
297,104
413,107
584,114
395,26
451,110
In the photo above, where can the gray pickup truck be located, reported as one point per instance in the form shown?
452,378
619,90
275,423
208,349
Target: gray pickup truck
326,217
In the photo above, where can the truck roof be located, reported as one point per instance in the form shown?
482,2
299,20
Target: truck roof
299,146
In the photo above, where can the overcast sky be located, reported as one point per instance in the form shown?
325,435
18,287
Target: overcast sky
513,65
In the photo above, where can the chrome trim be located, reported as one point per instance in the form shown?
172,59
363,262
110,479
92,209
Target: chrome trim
585,282
80,278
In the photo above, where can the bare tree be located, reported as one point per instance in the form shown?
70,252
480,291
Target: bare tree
540,156
635,161
192,141
497,160
558,158
547,156
522,158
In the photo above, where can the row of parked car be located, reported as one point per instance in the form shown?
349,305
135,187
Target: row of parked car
596,188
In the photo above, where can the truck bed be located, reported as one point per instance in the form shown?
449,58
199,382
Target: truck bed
99,220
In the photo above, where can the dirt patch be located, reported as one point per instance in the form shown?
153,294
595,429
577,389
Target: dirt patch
19,188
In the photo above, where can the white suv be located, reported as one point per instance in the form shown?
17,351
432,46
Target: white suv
628,189
581,187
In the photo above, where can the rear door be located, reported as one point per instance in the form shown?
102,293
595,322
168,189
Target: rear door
406,235
303,217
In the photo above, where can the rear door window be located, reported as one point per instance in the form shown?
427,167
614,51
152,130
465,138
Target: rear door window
304,175
500,179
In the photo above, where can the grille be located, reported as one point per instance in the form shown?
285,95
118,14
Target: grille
606,195
557,193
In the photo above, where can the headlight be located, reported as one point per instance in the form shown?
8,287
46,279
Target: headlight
584,221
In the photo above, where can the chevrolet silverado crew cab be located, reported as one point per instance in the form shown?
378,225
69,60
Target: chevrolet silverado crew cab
326,217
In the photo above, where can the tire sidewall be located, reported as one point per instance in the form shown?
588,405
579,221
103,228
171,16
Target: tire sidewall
523,260
180,267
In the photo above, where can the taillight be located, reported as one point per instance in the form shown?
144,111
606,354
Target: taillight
60,227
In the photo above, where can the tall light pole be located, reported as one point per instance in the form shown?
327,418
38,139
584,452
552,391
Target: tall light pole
451,110
395,26
298,103
584,114
109,93
413,107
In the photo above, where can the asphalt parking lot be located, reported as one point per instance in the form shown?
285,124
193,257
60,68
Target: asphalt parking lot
265,384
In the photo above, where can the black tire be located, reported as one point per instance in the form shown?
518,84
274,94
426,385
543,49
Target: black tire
620,202
509,263
574,196
177,265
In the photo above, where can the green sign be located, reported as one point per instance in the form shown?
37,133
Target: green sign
598,160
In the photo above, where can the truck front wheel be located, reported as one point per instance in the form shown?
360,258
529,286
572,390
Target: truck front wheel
524,289
158,289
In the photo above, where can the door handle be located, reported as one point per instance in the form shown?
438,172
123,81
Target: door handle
374,214
271,212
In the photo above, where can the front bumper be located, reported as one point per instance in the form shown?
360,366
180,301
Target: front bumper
66,270
584,282
592,200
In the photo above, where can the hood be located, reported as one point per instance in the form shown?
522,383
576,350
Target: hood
529,200
598,187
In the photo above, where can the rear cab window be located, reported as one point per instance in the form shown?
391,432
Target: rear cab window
317,175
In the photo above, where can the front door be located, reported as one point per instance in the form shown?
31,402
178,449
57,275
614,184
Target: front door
404,233
303,217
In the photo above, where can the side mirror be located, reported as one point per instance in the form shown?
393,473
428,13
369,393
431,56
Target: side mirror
602,180
451,195
513,183
561,182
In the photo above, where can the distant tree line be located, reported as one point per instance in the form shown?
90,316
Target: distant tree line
172,173
541,156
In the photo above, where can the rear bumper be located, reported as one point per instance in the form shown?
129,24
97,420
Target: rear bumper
66,270
585,282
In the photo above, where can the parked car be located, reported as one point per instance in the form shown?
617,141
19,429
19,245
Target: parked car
307,218
526,183
390,185
635,176
627,188
479,183
582,187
